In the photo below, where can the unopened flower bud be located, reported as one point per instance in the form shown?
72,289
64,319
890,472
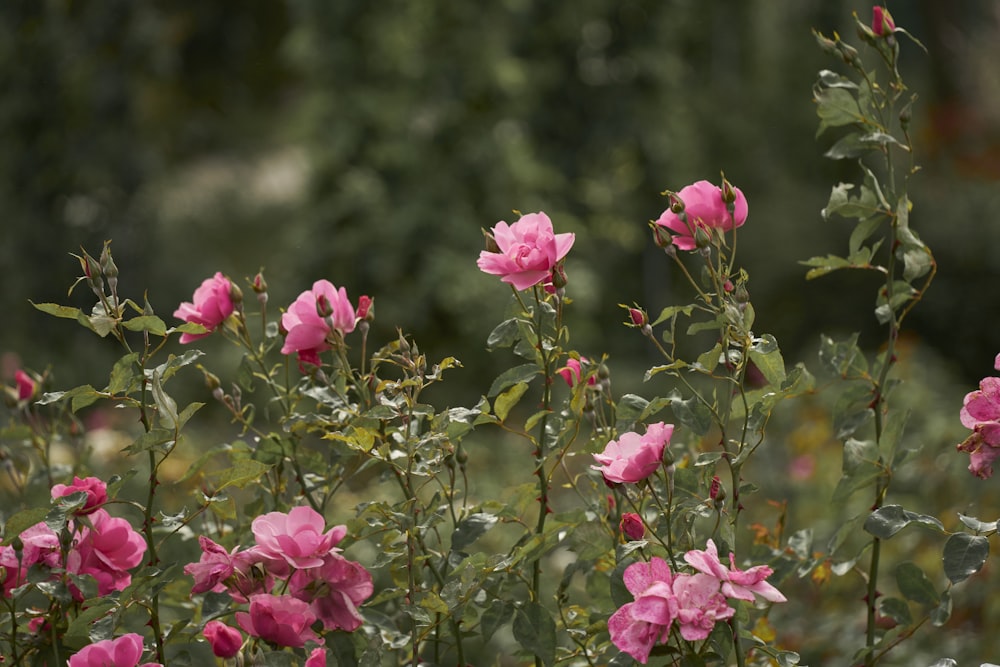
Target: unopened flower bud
728,193
848,53
366,309
638,316
668,457
882,23
661,237
259,285
632,527
491,243
559,276
905,114
742,295
826,44
323,306
676,203
235,294
701,237
716,491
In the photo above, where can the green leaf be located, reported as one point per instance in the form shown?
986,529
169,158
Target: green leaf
824,265
767,357
65,312
692,413
964,555
671,312
866,204
151,439
914,584
494,616
508,399
535,631
122,374
504,334
836,107
888,520
21,521
243,472
856,144
78,631
629,408
165,405
707,361
150,323
471,528
512,376
975,524
940,614
896,609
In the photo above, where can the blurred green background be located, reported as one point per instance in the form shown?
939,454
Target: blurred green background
368,142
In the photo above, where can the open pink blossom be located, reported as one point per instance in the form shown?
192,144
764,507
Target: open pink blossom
704,208
225,640
981,413
633,457
297,536
96,490
736,583
212,304
107,550
124,651
26,385
639,625
312,319
279,619
334,590
700,604
529,250
40,546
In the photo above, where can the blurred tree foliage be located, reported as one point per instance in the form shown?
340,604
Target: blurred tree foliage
368,142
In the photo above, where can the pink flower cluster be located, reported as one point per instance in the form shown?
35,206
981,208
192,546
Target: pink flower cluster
704,207
528,251
633,457
103,547
694,601
981,413
291,578
318,318
124,651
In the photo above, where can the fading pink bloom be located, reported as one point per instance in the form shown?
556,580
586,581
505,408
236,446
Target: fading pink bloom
96,490
639,625
632,526
239,573
981,413
882,23
529,250
226,641
334,590
737,584
297,536
279,619
107,550
704,208
26,385
573,371
699,605
313,318
40,546
124,651
213,303
317,658
633,457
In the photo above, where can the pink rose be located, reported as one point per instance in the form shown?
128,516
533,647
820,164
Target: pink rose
529,251
638,626
365,304
40,547
213,303
334,590
125,651
106,551
699,605
96,490
297,537
882,23
632,526
313,318
239,573
317,658
737,584
225,640
25,385
703,207
981,413
633,457
279,619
